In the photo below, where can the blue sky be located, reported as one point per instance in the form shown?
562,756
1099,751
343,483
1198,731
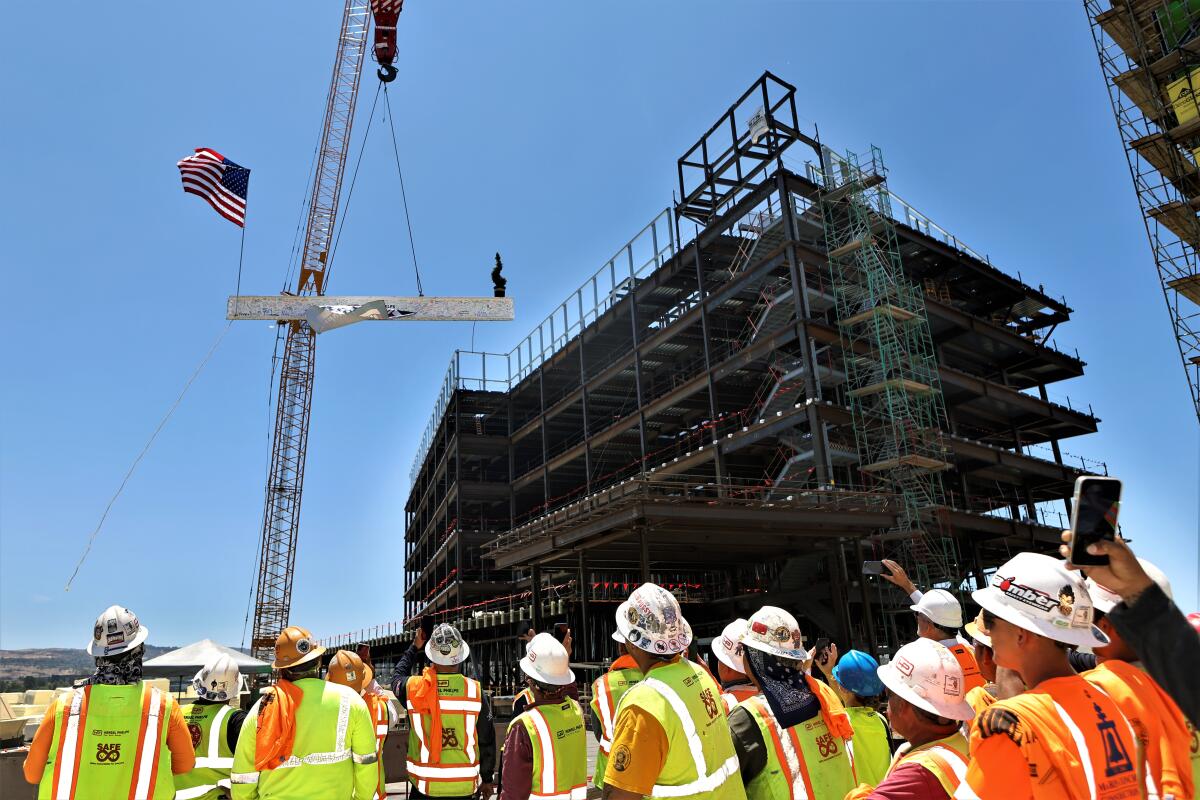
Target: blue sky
547,131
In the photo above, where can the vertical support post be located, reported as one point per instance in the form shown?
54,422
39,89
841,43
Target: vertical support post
545,435
458,477
1058,459
637,360
838,583
584,653
535,580
644,553
583,393
702,290
799,281
868,613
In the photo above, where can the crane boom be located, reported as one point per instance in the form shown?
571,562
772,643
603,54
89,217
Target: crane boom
285,481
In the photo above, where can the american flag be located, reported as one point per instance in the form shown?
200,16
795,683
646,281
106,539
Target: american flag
218,180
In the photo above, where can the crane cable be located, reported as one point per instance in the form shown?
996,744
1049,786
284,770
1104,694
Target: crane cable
350,192
404,197
145,449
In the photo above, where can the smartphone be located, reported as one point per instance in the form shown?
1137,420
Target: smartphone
427,626
873,568
1097,503
561,630
821,648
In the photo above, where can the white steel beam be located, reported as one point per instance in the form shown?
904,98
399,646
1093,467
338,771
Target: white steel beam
411,309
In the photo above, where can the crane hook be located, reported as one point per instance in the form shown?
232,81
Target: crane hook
386,73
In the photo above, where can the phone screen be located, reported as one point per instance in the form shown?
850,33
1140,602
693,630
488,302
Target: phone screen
560,631
1098,501
427,625
872,568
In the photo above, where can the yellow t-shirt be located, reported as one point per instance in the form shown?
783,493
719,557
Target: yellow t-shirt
639,749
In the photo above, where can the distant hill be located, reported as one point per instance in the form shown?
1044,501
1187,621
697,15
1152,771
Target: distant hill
45,662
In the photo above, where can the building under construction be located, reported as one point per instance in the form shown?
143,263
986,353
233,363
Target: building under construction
786,373
1150,55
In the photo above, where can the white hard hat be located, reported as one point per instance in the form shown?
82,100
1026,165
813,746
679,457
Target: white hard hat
978,632
941,607
775,631
728,646
650,620
117,631
217,680
546,661
446,646
926,674
1105,599
1039,594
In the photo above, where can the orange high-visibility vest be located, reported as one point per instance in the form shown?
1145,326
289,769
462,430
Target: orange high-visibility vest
736,694
970,668
1158,722
1064,738
380,718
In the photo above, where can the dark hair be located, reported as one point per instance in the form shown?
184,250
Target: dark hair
947,633
309,669
934,719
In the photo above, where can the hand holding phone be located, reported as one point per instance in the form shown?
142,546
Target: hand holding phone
1094,517
872,568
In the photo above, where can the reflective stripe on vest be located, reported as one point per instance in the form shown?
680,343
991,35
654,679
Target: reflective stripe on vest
470,708
1080,745
705,781
149,744
605,702
208,767
213,760
548,783
340,752
951,766
66,766
786,748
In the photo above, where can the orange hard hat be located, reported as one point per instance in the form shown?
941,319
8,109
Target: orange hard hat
347,669
295,646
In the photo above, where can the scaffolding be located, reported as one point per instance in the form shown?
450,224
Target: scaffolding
1149,53
893,382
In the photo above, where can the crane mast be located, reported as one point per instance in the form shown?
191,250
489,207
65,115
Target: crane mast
285,480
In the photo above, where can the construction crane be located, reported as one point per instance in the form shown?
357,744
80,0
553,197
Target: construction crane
285,480
308,312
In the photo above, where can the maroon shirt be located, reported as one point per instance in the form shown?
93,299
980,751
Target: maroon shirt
909,782
516,768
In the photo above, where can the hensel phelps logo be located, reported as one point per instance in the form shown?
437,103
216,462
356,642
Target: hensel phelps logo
108,753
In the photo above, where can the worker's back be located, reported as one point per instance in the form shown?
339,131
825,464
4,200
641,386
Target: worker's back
686,700
208,724
869,748
1157,721
333,754
99,747
607,693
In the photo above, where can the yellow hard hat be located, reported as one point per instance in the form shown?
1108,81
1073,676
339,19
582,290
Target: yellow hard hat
295,646
347,669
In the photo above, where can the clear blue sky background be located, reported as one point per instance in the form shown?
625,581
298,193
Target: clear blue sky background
548,131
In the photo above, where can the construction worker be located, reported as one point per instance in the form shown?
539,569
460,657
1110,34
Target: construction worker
1062,737
112,735
670,736
927,707
451,739
607,691
792,738
347,669
305,737
214,726
857,684
545,749
524,698
735,686
1167,738
939,616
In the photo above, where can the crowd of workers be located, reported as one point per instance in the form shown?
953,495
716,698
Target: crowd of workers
1060,687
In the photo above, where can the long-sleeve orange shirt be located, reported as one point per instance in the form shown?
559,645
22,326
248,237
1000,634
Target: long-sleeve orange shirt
179,742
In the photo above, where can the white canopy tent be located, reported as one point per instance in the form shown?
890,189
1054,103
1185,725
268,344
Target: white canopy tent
188,660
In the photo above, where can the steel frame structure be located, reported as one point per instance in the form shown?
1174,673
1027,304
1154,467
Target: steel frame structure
686,416
285,480
1144,48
